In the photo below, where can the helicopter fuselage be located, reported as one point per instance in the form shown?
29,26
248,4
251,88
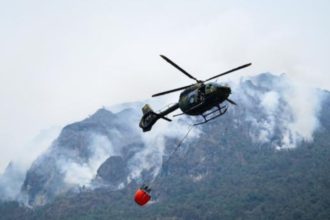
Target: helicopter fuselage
200,98
196,99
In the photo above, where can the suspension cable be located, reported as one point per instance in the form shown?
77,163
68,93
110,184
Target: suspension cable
170,156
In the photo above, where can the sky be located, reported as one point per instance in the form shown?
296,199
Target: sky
62,60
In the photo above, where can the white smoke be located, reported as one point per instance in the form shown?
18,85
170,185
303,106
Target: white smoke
279,106
150,158
78,173
270,101
12,178
305,104
11,182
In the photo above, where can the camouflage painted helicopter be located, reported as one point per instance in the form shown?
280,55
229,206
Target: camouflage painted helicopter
197,99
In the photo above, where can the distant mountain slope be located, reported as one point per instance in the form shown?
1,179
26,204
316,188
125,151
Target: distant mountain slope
76,154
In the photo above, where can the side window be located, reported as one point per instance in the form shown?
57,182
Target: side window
192,97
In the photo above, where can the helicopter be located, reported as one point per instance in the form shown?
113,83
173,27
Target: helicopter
198,99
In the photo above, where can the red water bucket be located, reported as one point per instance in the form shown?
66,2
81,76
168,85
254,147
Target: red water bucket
141,197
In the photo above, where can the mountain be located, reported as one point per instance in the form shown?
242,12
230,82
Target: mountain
77,153
266,158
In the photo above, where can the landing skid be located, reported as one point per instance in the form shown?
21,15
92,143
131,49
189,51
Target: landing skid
214,114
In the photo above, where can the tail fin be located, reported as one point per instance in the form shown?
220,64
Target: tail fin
146,108
149,118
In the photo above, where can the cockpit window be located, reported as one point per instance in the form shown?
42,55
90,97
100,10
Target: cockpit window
209,88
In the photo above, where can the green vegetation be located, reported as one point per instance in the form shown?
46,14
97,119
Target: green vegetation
238,182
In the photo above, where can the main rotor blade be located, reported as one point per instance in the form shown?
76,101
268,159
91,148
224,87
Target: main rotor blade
231,101
179,68
229,71
173,90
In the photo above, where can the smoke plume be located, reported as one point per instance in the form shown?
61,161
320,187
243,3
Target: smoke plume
282,112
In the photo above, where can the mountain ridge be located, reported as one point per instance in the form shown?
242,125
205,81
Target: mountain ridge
233,168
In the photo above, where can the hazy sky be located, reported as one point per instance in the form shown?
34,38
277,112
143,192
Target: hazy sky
61,60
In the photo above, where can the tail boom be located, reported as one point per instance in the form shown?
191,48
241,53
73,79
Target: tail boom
149,117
